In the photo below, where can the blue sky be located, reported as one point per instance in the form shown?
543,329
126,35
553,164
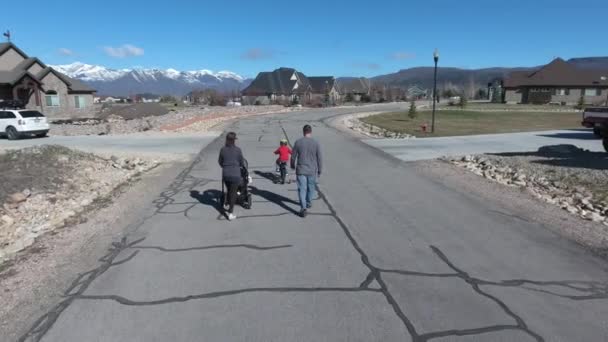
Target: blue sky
341,38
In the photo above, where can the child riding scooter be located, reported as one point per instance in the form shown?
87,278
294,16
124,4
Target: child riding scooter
284,153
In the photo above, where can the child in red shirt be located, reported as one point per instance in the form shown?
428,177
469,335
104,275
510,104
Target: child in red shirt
284,153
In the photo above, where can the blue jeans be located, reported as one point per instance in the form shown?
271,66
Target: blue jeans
307,186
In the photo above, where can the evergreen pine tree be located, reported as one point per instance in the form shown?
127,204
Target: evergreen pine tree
413,112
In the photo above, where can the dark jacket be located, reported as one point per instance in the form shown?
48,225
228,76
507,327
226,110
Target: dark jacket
231,160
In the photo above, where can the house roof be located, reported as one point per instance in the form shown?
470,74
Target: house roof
321,84
355,86
8,45
28,62
279,82
74,85
556,73
13,76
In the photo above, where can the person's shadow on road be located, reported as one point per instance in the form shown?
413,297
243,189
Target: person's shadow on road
268,175
210,198
277,199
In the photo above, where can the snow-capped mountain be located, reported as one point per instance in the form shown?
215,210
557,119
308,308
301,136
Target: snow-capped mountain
170,81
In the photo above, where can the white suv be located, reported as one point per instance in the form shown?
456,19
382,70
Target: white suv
15,123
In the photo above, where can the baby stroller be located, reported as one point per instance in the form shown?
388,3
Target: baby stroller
243,196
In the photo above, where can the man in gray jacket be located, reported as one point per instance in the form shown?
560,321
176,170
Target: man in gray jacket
306,159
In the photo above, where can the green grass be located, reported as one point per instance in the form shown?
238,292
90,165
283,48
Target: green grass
516,107
468,122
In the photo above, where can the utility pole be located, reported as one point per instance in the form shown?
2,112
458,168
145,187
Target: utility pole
436,59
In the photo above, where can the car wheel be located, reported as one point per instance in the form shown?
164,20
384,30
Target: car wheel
597,132
12,133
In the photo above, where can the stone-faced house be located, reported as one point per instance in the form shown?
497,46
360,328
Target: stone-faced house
558,82
287,85
324,90
354,88
40,87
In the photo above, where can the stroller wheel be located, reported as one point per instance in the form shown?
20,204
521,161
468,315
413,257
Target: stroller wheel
248,201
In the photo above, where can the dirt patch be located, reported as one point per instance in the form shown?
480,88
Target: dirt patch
134,111
182,119
41,169
47,187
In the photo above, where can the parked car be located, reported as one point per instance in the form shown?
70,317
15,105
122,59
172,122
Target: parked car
454,100
233,104
596,118
16,123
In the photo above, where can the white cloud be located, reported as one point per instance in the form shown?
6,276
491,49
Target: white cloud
255,54
126,50
65,52
403,55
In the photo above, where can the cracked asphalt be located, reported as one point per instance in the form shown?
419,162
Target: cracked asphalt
387,254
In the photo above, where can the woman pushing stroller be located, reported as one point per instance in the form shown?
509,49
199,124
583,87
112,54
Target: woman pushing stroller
232,162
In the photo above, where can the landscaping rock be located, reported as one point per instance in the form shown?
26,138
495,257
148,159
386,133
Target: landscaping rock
7,220
17,197
548,182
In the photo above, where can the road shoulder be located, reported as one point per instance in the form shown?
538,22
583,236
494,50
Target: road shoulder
35,281
517,203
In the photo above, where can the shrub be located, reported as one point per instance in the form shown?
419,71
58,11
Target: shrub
463,101
366,98
413,112
581,103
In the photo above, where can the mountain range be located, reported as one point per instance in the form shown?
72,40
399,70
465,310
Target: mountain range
469,78
124,82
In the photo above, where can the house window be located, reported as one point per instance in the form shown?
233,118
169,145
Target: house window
593,92
79,102
562,91
52,99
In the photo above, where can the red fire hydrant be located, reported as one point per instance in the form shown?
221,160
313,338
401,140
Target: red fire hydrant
424,127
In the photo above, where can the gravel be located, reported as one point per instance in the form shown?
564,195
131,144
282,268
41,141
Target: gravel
570,165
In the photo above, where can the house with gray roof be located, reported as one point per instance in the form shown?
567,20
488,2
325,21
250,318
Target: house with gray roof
39,86
558,82
355,88
287,85
324,90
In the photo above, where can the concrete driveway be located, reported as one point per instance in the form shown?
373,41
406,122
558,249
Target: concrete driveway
174,146
432,148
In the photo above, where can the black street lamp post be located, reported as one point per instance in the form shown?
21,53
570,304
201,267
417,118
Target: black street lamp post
436,59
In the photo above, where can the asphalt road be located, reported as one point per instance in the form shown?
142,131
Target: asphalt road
387,254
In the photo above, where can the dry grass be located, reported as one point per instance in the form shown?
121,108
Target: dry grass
469,122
